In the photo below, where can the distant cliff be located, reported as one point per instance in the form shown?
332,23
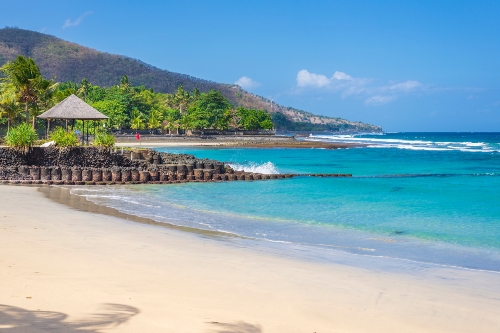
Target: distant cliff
72,62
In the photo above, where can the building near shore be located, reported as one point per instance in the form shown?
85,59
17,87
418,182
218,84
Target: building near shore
70,109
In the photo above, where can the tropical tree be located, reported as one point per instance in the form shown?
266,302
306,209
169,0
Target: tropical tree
65,90
234,118
9,105
46,97
136,121
23,74
198,118
195,94
84,88
172,120
124,83
114,110
181,99
208,111
154,119
252,120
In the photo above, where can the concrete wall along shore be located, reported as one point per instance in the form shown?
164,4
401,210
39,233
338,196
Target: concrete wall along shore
105,167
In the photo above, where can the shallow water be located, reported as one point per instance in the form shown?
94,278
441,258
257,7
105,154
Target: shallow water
428,205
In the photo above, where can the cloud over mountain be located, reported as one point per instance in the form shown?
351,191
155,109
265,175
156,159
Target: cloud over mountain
375,92
247,83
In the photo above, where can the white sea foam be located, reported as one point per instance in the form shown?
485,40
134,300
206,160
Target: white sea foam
265,168
408,144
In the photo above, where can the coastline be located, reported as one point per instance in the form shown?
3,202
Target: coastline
59,264
227,141
230,141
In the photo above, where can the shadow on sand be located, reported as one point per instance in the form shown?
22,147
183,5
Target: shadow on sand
236,327
17,320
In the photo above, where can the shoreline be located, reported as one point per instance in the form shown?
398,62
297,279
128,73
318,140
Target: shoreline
62,195
231,141
234,144
58,264
350,242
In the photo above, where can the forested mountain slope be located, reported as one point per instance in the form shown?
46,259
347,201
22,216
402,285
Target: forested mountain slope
72,62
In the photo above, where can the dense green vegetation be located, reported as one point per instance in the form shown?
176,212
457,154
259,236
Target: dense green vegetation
63,138
21,137
22,86
104,139
70,62
24,89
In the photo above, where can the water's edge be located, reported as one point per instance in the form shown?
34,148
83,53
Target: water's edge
62,195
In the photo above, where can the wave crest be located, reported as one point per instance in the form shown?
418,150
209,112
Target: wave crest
267,168
403,143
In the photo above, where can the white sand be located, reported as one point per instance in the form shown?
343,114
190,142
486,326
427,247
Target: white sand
63,270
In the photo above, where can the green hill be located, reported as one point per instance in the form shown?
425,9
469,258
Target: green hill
72,62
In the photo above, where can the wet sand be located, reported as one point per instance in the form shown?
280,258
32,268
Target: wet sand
92,269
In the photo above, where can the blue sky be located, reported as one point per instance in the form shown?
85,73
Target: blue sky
404,65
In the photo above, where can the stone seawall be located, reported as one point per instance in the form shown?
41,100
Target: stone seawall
92,166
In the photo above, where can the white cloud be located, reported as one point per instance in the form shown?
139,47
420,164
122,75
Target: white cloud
379,100
341,76
374,91
247,83
76,22
406,86
305,78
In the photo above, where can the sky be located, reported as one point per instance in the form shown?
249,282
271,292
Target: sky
403,65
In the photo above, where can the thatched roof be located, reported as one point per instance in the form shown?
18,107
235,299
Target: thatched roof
72,107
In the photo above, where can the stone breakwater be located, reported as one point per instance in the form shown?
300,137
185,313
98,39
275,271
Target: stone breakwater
94,166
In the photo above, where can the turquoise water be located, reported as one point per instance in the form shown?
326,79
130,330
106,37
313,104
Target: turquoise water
418,196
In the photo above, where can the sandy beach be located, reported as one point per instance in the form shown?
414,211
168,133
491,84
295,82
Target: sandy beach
69,270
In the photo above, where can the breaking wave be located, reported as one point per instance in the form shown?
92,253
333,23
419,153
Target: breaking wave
267,168
381,141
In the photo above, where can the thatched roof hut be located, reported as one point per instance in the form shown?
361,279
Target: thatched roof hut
73,107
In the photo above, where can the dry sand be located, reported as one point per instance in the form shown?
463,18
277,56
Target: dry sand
64,270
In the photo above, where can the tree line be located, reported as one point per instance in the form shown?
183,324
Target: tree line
25,94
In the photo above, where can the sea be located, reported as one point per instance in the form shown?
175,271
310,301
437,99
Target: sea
431,198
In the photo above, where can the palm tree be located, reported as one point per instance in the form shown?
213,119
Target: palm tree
181,99
9,106
154,119
84,88
22,73
46,93
136,121
124,83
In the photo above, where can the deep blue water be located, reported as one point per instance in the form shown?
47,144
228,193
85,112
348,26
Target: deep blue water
419,196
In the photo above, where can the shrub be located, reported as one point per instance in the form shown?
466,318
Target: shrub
62,138
21,137
104,139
